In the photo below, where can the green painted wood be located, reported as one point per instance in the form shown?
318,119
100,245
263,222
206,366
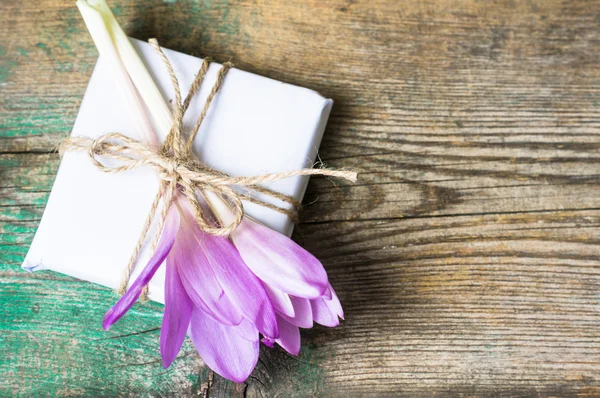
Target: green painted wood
54,344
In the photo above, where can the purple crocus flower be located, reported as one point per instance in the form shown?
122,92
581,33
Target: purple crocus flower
224,292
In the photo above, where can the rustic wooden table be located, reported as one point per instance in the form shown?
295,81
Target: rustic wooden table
467,256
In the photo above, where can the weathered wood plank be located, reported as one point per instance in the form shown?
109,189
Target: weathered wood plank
53,344
467,256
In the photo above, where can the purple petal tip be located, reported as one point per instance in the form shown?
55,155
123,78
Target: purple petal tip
106,322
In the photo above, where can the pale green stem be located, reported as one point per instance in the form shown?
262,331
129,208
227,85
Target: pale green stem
102,39
160,112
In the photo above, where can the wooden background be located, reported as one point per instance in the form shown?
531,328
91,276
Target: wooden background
468,255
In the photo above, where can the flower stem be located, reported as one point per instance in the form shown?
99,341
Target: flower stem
102,39
160,112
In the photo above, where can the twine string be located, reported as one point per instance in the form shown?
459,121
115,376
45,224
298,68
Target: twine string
181,173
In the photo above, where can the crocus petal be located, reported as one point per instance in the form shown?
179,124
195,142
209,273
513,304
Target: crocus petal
322,314
334,304
223,348
164,247
197,276
247,330
289,336
281,301
176,319
241,286
328,293
303,313
279,261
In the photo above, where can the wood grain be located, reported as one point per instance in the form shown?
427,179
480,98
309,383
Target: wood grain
467,257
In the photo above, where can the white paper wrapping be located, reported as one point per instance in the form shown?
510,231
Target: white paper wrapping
255,125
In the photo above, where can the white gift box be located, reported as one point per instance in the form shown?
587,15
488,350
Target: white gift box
255,125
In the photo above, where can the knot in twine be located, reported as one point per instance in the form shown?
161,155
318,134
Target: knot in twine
179,170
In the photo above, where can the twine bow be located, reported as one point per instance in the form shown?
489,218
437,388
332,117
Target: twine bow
178,168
